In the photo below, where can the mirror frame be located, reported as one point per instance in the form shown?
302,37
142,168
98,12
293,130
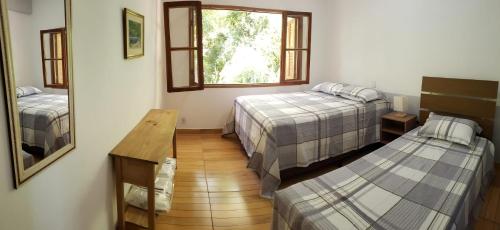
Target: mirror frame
20,174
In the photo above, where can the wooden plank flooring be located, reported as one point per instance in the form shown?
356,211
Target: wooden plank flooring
215,190
213,187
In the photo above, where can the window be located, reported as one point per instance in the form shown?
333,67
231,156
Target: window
227,46
54,58
184,54
296,46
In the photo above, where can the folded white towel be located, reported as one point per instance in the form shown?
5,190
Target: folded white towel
164,189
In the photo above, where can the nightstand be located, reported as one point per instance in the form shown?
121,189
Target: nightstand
394,126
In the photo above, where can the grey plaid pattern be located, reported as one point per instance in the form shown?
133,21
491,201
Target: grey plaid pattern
44,121
282,131
26,91
412,183
361,94
329,88
461,131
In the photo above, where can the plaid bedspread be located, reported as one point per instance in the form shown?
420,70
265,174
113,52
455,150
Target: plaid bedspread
281,131
411,183
44,121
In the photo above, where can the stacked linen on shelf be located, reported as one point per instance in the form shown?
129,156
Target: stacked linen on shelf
164,189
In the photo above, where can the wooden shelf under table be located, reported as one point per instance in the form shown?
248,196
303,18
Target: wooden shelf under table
393,131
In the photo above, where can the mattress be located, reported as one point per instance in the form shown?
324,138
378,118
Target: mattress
44,121
282,131
411,183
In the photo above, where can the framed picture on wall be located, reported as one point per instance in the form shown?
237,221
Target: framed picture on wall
133,34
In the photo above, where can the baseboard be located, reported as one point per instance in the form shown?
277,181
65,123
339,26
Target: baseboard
199,131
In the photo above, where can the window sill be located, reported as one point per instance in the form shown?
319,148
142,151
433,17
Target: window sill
56,86
258,85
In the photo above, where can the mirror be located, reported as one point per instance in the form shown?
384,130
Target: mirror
37,70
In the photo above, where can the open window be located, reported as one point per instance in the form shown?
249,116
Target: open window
237,46
54,58
184,50
296,48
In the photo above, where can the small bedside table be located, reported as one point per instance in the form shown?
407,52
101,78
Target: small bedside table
393,126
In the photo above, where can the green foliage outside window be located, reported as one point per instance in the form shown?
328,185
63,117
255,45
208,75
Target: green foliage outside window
236,43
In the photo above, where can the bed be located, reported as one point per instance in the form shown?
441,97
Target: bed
283,131
413,182
44,122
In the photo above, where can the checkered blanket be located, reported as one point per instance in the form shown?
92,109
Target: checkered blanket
282,131
44,121
411,183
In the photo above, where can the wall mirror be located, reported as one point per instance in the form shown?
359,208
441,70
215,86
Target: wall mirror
38,83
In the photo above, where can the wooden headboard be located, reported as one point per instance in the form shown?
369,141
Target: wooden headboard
471,99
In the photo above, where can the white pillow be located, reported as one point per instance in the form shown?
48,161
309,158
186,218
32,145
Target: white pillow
361,94
457,130
26,91
329,88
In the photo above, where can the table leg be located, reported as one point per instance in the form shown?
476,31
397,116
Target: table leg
151,199
119,193
174,143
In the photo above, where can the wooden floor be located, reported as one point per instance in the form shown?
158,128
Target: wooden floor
215,190
213,187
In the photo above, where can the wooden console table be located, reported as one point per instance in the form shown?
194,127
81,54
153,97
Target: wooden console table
137,160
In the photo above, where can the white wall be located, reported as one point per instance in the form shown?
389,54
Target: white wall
21,6
23,50
210,108
111,95
396,42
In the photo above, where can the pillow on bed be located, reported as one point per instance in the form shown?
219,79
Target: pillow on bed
457,130
26,91
361,94
329,88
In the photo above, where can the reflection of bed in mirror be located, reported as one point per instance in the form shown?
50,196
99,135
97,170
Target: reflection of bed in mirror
44,122
28,160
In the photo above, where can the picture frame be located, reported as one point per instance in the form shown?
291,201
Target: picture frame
133,34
